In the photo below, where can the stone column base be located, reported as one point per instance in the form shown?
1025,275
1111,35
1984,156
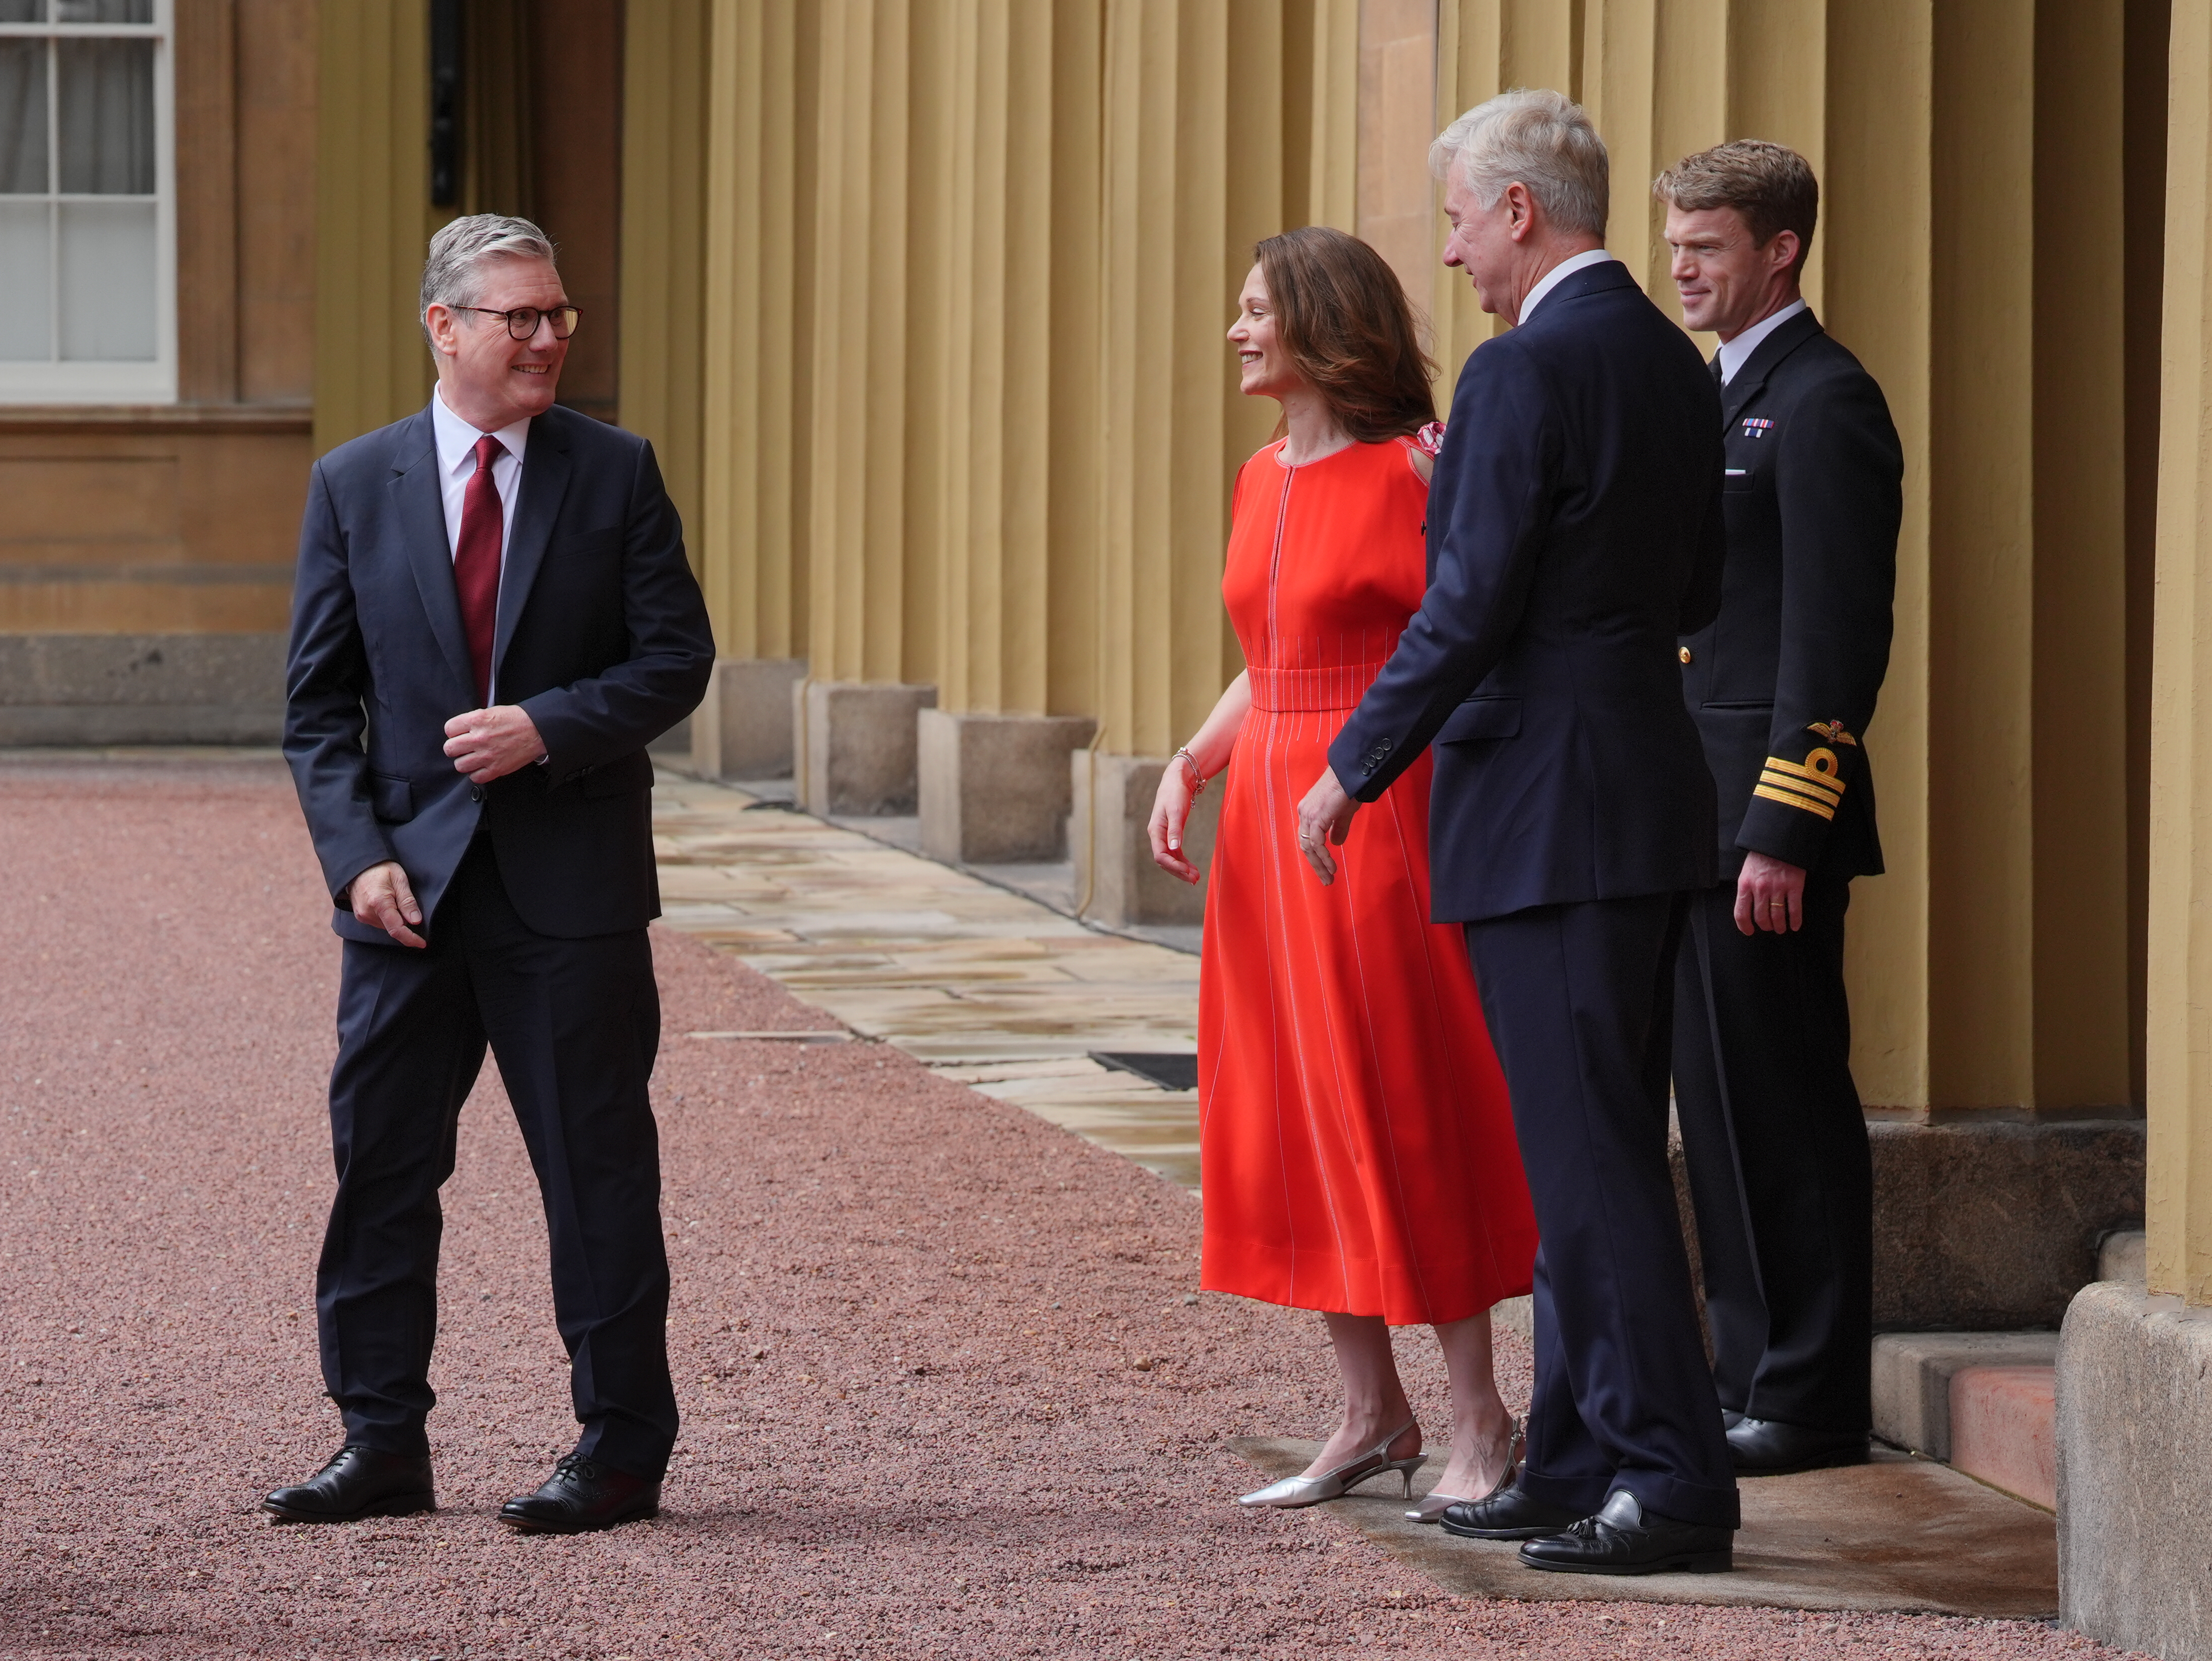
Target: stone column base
744,728
2134,1486
142,688
854,743
1113,854
995,788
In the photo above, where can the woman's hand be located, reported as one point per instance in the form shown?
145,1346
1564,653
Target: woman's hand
1171,812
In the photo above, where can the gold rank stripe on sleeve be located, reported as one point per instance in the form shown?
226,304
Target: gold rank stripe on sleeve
1776,789
1825,785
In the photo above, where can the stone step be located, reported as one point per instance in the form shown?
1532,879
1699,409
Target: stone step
2004,1429
1913,1373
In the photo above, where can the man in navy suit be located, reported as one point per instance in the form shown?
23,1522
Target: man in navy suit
493,617
1574,532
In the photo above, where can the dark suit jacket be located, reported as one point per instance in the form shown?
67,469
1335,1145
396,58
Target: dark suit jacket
1574,532
602,637
1782,684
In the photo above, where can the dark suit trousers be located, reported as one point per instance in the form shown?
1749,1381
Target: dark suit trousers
575,1025
1579,999
1779,1169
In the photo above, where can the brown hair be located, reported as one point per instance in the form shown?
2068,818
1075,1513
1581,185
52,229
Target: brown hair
1769,185
1347,325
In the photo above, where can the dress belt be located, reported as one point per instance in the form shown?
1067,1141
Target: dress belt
1330,686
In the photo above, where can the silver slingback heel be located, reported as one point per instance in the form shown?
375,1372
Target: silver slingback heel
1433,1506
1295,1491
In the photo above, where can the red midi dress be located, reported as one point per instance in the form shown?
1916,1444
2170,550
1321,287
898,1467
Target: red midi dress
1357,1150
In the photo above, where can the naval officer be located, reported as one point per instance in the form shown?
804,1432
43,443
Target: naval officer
1781,686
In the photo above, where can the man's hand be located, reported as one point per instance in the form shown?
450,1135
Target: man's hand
381,898
1324,817
489,743
1770,895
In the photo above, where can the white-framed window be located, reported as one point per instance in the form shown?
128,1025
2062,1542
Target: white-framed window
87,203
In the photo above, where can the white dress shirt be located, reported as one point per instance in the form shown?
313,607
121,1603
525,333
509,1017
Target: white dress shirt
457,464
1559,274
1735,354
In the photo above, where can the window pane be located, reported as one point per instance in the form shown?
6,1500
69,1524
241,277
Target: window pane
104,11
26,323
107,116
23,117
107,269
22,11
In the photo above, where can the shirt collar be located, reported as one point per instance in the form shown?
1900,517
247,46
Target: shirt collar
456,438
1735,354
1559,273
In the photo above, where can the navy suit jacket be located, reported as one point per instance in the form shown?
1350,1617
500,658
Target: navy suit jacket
1574,531
601,637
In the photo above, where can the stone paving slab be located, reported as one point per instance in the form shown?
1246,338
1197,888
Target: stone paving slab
1898,1534
987,986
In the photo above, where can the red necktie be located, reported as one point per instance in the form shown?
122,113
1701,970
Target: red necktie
476,563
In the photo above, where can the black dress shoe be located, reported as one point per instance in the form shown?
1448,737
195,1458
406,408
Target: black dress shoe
1624,1538
1511,1515
1766,1447
358,1481
582,1494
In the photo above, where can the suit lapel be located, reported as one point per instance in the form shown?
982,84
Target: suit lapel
1772,350
545,481
421,509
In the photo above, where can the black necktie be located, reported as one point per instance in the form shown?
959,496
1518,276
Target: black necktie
1719,380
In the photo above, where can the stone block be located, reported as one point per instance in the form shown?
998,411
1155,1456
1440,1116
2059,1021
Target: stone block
855,742
1994,1227
996,789
2120,1255
142,688
2004,1431
2134,1486
1113,854
743,729
1912,1375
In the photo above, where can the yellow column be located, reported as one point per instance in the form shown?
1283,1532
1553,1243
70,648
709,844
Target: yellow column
758,305
373,216
2178,1051
1194,177
1397,122
663,211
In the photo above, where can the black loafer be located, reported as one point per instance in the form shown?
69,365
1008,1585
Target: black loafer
1766,1447
1511,1515
581,1495
358,1481
1624,1538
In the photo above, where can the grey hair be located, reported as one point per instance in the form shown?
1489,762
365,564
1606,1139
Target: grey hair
1538,138
454,273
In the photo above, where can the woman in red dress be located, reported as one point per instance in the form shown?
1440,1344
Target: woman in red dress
1356,1151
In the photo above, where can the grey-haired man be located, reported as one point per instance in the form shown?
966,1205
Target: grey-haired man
493,617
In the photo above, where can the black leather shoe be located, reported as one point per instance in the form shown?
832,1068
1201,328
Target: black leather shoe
1511,1515
582,1494
1624,1538
358,1481
1766,1447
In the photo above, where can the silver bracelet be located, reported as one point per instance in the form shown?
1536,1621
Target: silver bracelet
1196,774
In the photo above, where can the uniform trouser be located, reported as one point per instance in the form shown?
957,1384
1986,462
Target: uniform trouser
575,1025
1779,1168
1579,1003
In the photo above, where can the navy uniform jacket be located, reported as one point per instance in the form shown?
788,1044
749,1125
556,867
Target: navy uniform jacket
1574,533
1782,684
602,637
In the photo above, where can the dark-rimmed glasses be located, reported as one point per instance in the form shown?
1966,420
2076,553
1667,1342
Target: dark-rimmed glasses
522,322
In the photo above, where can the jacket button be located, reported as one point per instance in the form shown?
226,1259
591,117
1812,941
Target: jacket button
475,791
1686,654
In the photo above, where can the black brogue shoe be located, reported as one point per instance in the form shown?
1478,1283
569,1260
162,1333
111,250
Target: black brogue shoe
358,1481
581,1495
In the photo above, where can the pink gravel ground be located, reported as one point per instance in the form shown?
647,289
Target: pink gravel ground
943,1392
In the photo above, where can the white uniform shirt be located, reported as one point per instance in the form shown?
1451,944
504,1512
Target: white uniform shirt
1735,354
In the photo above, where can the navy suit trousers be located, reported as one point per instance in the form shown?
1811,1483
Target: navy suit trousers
574,1025
1779,1167
1579,998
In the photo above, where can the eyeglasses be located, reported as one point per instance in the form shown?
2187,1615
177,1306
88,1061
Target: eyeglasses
522,322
